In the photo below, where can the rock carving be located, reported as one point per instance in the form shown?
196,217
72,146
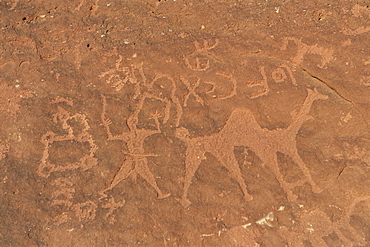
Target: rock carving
303,49
241,129
63,117
199,60
135,162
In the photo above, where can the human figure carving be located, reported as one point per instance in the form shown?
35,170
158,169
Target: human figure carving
136,162
241,129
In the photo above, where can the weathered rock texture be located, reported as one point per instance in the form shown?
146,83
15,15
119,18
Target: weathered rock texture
184,123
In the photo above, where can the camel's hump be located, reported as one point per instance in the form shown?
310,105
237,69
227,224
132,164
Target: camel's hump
241,115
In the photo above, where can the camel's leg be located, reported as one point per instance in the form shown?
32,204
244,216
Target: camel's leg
191,166
228,160
272,162
141,167
297,159
125,170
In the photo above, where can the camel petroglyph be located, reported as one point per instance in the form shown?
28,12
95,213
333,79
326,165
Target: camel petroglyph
242,129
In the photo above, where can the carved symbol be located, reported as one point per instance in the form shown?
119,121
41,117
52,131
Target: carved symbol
61,198
112,206
304,49
199,60
359,30
233,83
261,83
366,81
191,90
290,73
241,129
169,100
136,162
4,149
46,168
315,225
65,186
85,210
278,75
120,76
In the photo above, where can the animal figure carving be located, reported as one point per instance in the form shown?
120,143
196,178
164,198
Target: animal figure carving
242,129
315,225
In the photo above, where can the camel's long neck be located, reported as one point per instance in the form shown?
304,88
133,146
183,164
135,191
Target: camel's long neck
302,115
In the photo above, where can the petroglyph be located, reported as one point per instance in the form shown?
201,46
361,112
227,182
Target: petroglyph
230,78
121,76
66,190
191,86
366,81
170,100
241,129
10,98
315,225
112,206
278,75
64,118
199,59
135,162
62,199
4,149
262,84
303,49
85,210
359,30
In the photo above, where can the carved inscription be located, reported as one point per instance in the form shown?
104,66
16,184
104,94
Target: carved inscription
10,98
65,119
315,225
303,49
76,131
241,129
136,162
278,75
4,149
199,59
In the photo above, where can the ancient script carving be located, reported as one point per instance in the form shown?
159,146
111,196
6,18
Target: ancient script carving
64,118
278,75
4,148
303,49
315,224
199,59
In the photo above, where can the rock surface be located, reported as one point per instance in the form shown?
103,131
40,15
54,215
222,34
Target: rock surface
184,123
